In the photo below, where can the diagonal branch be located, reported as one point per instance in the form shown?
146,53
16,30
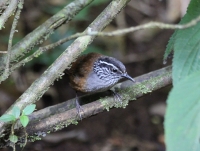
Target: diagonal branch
61,115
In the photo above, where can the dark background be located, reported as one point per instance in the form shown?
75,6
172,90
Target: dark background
138,127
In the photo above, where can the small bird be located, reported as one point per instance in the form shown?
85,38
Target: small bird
95,72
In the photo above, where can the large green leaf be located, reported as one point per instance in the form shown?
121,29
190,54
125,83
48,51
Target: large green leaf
187,45
182,120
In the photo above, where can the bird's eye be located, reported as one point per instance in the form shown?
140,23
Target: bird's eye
114,70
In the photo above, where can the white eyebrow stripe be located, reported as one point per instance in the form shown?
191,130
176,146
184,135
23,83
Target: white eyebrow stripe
109,64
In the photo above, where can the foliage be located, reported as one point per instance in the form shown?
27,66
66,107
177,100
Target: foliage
183,116
18,115
182,120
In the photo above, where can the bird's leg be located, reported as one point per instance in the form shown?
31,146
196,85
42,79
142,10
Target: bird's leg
117,96
78,107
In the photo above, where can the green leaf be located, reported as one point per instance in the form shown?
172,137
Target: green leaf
29,109
187,46
16,111
182,120
170,47
13,138
7,118
24,120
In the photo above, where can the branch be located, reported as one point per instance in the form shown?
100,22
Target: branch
57,117
147,26
43,31
14,25
41,85
130,29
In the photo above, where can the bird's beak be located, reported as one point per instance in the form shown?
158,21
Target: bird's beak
128,77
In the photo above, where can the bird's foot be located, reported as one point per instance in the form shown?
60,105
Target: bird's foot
79,109
117,96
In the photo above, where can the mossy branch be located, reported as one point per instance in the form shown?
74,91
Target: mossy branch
61,115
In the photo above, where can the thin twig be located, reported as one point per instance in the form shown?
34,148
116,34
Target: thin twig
114,33
126,30
147,26
133,29
13,30
3,52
